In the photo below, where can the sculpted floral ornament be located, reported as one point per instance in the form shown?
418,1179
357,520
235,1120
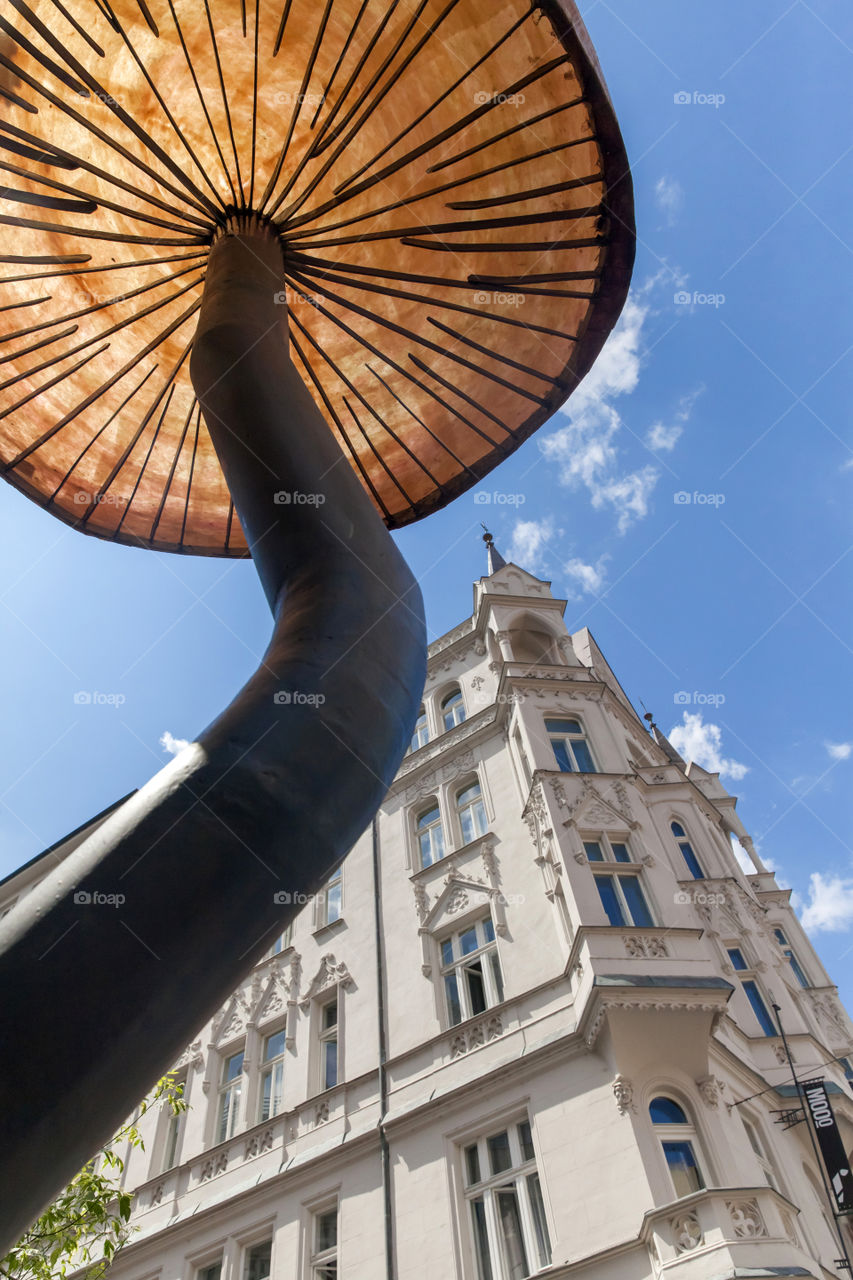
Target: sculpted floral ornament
686,1231
328,974
746,1219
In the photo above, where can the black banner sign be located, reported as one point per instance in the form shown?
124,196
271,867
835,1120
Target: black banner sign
831,1147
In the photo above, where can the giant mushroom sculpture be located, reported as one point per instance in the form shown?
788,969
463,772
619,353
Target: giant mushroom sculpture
275,274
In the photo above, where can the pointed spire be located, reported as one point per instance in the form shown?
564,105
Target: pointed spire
496,560
664,743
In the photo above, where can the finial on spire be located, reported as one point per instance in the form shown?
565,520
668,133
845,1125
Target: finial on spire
663,741
496,560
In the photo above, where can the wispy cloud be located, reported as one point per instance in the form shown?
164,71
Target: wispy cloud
830,905
587,577
669,198
529,543
702,743
839,750
662,437
172,744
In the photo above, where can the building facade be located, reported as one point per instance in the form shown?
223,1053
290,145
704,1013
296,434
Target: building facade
529,1026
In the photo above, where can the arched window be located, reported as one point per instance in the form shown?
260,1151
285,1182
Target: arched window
430,835
532,643
678,1140
453,709
693,864
472,812
569,745
420,737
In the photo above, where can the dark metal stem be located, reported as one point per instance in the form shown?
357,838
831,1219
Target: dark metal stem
99,999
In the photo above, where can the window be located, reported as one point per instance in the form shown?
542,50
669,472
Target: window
329,1045
603,849
471,970
693,864
174,1125
213,1271
430,835
230,1089
453,709
330,899
324,1251
282,942
788,953
623,900
761,1153
507,1212
272,1075
258,1261
472,812
846,1067
569,744
753,995
677,1138
420,737
522,756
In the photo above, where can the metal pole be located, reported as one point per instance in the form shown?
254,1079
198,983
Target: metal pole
808,1119
99,1000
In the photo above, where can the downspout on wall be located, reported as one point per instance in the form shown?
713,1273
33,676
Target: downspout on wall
384,1146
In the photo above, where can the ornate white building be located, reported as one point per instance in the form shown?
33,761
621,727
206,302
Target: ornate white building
528,1028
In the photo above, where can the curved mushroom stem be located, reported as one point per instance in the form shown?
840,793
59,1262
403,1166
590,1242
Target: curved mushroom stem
259,810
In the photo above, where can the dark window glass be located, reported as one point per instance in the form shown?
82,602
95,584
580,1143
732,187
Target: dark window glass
583,756
736,957
760,1009
665,1111
684,1171
640,914
609,901
472,1165
499,1154
620,852
593,850
525,1137
692,861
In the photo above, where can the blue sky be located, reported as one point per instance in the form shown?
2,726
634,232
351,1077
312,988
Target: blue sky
736,399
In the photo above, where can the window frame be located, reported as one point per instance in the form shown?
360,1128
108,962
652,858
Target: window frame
606,842
420,733
322,903
790,955
455,696
174,1131
567,739
683,842
758,1144
329,1035
227,1086
625,870
748,980
269,1067
458,809
493,984
517,1178
205,1270
248,1249
429,805
319,1259
676,1133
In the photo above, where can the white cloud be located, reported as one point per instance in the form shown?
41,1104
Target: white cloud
584,449
669,198
529,543
830,904
588,577
702,744
839,750
663,438
171,744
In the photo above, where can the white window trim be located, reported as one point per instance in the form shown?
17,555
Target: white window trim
333,995
615,869
699,847
438,700
417,810
751,974
321,901
458,786
606,839
493,996
546,735
318,1259
517,1174
223,1053
679,1133
273,1028
171,1123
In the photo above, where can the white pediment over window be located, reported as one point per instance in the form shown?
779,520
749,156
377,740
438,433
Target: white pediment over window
329,974
460,896
593,810
231,1020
